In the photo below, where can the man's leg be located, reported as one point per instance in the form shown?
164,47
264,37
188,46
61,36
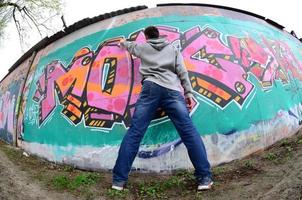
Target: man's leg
145,108
174,105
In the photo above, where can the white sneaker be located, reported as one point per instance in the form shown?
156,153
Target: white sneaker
116,187
205,184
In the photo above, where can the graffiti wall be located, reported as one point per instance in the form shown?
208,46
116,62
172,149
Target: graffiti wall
10,93
81,91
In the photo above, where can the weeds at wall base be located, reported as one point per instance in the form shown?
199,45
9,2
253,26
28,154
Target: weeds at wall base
117,194
271,156
180,185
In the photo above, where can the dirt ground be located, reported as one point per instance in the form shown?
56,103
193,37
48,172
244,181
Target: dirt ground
16,184
275,173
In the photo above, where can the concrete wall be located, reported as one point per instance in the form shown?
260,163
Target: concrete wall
80,91
10,94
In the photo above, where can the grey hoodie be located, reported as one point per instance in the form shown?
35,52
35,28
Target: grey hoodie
161,63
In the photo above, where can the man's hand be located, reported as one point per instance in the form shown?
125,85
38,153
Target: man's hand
189,102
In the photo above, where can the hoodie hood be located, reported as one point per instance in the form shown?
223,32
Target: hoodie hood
158,43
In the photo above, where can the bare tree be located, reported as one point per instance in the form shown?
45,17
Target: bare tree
30,16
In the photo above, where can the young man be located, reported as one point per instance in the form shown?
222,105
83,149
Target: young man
162,69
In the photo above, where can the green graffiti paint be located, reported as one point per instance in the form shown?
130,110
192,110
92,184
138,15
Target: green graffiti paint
259,106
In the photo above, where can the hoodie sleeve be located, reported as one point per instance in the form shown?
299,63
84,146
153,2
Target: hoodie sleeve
182,73
132,47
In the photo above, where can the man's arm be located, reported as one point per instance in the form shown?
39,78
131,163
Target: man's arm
183,75
184,79
132,47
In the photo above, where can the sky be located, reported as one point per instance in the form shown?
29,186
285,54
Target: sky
282,12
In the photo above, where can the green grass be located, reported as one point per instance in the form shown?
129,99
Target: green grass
173,182
285,142
218,170
151,190
185,174
60,182
117,194
249,163
160,189
271,156
85,179
63,182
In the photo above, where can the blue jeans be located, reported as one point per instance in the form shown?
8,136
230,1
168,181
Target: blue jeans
172,102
